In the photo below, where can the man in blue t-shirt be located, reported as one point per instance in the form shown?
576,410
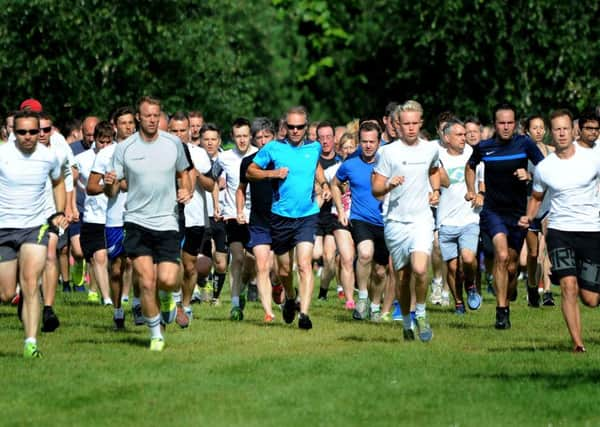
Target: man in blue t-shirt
293,166
366,221
504,201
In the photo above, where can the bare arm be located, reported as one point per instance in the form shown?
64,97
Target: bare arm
240,202
381,185
434,181
444,179
255,173
336,195
184,193
533,206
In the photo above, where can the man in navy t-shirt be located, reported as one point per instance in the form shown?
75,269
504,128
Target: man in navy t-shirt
504,201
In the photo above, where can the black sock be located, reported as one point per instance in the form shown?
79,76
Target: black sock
322,293
218,284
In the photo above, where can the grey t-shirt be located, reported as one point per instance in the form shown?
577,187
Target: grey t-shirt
149,168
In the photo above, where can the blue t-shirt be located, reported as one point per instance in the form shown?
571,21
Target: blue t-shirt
364,206
294,196
504,192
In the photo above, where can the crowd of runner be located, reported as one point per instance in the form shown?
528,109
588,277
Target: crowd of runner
151,204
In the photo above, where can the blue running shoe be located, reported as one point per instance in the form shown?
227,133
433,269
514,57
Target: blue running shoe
473,298
460,310
397,313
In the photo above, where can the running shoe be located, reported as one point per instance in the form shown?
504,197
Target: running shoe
397,313
78,273
289,310
304,322
242,301
473,298
119,324
269,318
125,302
350,305
533,297
236,313
409,334
49,320
579,349
66,287
277,294
436,293
252,292
376,317
79,288
502,318
460,309
361,312
423,328
138,317
340,293
548,299
445,299
181,318
386,317
30,351
215,301
196,295
16,299
93,297
157,344
168,308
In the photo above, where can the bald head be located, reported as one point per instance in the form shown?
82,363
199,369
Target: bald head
89,124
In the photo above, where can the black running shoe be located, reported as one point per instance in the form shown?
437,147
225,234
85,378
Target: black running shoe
409,334
513,294
502,318
49,320
533,297
119,324
548,299
289,310
304,322
252,293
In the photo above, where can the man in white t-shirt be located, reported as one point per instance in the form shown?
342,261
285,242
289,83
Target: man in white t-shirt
569,176
457,219
407,170
238,235
24,170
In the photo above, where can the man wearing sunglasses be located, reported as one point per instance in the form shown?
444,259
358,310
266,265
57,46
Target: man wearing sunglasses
24,172
293,166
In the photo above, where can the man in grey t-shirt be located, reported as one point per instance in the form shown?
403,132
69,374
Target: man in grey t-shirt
148,161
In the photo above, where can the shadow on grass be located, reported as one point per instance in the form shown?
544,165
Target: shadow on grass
117,338
385,340
552,380
556,347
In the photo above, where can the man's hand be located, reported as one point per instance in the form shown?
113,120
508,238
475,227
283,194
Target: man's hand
434,197
110,177
281,173
342,218
524,222
183,195
522,174
393,182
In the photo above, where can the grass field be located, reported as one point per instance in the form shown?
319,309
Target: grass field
341,373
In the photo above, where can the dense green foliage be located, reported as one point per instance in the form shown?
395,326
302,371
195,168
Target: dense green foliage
341,59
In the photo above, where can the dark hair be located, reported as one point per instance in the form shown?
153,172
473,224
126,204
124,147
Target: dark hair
150,100
389,108
369,126
473,119
45,116
70,126
531,118
259,124
503,106
209,127
444,116
196,113
122,111
104,128
26,114
240,122
179,116
587,116
325,124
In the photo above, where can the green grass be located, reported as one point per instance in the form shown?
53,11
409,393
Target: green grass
341,373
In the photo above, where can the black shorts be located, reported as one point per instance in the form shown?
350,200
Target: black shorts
162,246
575,253
63,238
288,232
195,239
75,228
217,234
362,230
326,224
92,239
237,232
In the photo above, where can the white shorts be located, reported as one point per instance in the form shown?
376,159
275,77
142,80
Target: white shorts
404,238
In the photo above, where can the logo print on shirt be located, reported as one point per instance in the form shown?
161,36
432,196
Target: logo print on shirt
487,153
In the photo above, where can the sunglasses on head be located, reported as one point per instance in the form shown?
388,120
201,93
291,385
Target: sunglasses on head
297,127
24,132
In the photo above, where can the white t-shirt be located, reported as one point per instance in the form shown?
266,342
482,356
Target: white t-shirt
115,205
408,202
453,209
196,211
63,152
23,179
230,161
572,188
94,207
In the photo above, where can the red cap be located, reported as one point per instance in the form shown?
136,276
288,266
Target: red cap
31,104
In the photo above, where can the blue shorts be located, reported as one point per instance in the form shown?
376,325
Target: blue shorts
75,228
259,235
492,223
453,239
114,242
288,232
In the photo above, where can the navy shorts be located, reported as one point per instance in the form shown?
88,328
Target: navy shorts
288,232
259,235
492,223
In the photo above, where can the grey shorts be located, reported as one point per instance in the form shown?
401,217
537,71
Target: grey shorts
11,240
454,239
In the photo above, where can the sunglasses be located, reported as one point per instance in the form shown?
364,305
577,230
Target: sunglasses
46,129
24,132
297,127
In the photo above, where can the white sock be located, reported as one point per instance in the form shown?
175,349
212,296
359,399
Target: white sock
375,307
235,301
363,294
108,301
154,326
30,340
420,310
177,297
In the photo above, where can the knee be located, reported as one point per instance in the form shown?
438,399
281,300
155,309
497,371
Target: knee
502,258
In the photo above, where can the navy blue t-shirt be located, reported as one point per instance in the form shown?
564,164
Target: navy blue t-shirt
261,195
504,192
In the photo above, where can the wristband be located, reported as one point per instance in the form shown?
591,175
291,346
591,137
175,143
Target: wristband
482,193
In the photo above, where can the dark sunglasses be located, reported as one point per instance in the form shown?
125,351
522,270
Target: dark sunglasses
46,129
24,132
297,127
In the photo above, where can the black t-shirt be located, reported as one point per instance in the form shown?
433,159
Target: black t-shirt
325,163
261,195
